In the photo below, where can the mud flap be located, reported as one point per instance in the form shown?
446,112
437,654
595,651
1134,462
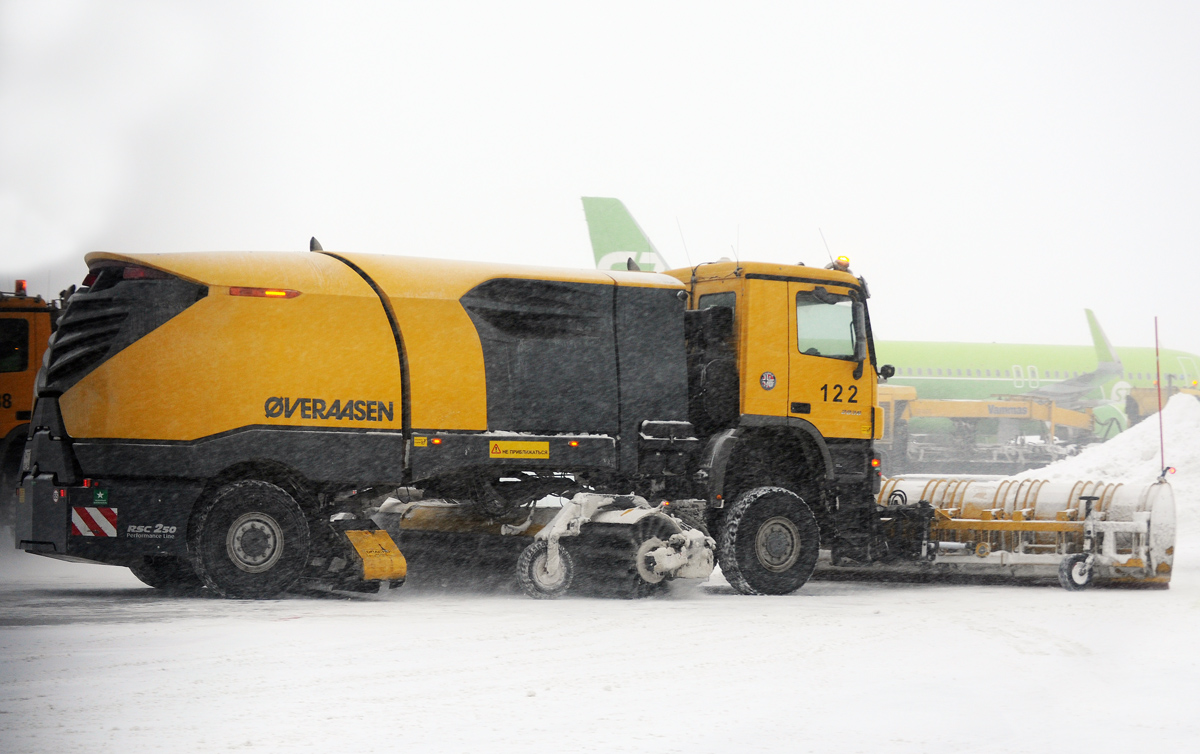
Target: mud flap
356,557
379,556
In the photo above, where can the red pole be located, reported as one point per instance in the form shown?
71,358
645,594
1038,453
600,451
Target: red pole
1162,452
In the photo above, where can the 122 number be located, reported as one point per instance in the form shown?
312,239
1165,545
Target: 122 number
837,393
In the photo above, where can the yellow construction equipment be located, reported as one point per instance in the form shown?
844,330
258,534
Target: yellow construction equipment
970,448
26,323
1141,402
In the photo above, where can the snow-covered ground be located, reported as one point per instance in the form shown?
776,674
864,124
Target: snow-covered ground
90,660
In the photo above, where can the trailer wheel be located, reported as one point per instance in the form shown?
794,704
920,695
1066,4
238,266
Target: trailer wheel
1075,572
769,543
251,541
167,573
536,579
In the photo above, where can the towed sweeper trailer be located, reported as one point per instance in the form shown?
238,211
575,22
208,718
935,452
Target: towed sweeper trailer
1083,532
235,419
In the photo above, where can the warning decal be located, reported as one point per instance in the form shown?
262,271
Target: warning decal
93,522
519,449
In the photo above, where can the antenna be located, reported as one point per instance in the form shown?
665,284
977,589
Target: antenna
681,238
736,247
827,251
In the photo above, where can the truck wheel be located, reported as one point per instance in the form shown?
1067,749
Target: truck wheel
1074,572
251,541
167,573
769,543
536,579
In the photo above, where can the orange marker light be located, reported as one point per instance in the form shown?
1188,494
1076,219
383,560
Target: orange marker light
263,292
20,288
436,441
874,463
573,443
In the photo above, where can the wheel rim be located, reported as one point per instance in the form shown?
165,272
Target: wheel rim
777,544
546,579
254,542
645,564
1079,572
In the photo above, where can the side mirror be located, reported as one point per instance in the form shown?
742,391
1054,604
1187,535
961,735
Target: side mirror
887,371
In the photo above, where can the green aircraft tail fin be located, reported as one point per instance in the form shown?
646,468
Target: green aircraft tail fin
617,238
1104,350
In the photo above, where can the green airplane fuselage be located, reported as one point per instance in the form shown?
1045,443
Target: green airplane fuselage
982,370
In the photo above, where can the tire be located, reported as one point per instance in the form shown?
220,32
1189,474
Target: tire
536,581
769,543
1075,573
251,541
167,573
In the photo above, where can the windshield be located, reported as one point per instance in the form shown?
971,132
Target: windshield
828,324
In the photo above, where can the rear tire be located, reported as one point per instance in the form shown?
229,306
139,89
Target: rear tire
168,574
769,543
251,541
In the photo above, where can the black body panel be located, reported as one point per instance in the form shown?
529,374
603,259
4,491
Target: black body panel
463,451
321,455
151,519
651,362
548,355
101,321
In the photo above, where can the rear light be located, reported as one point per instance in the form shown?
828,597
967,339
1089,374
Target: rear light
89,280
143,273
263,292
87,482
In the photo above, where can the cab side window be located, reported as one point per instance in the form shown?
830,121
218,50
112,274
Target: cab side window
825,325
725,298
14,345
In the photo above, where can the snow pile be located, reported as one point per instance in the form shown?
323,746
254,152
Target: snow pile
1132,457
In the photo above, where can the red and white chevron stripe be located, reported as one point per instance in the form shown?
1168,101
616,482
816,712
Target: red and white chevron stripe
94,522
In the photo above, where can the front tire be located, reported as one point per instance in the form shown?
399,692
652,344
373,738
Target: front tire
769,543
251,541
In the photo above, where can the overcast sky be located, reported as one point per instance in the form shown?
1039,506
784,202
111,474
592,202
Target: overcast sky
990,168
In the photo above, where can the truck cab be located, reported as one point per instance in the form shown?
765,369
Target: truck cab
26,323
783,385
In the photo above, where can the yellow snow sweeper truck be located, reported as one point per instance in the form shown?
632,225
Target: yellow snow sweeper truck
257,421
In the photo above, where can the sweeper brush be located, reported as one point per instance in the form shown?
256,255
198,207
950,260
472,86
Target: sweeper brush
1082,532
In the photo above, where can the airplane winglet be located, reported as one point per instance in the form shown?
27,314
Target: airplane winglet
617,238
1105,354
